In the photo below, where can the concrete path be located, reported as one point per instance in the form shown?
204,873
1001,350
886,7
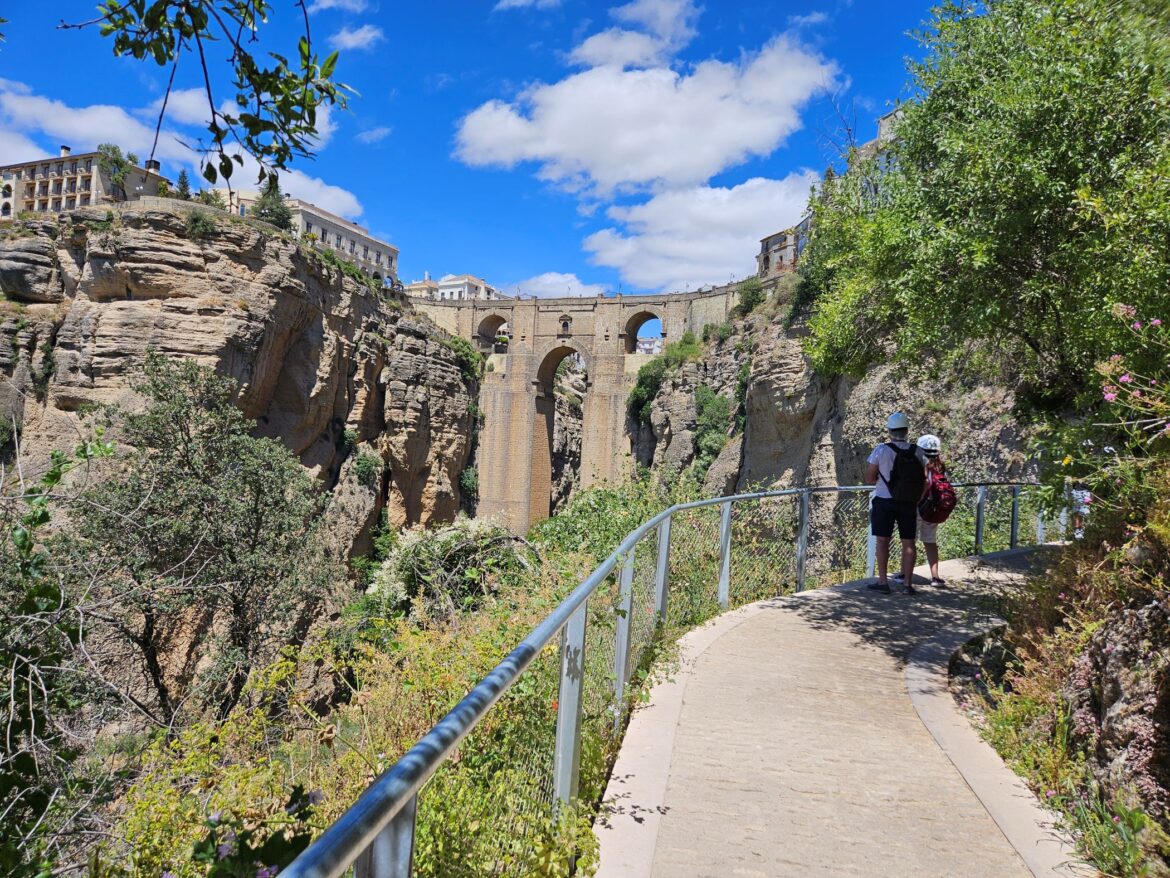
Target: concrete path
789,743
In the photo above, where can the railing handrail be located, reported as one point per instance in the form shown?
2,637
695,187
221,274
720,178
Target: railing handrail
354,831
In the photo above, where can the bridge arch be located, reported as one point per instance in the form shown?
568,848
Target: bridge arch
635,322
490,327
544,425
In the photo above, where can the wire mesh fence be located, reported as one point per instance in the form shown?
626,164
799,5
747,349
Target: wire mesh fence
545,749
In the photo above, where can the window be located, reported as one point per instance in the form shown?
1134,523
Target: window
73,167
89,164
378,258
84,200
308,228
352,248
243,210
366,251
60,167
336,239
69,202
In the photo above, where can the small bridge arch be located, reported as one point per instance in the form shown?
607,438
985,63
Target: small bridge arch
514,456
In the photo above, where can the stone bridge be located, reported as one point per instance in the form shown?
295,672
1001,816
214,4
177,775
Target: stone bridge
515,449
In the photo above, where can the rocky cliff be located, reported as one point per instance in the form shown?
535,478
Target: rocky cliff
801,428
371,398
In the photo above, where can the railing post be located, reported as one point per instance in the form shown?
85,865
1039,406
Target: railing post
725,556
1064,516
391,853
567,756
621,646
802,540
870,543
1040,535
662,571
1015,516
980,511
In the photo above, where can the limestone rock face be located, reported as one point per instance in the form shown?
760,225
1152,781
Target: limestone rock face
567,425
328,366
803,429
1119,700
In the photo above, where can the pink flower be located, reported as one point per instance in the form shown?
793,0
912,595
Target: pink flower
1126,378
1137,325
1051,794
1155,322
1110,397
1137,393
1116,358
1061,595
1116,819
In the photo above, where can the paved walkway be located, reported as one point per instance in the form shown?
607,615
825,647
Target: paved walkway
789,744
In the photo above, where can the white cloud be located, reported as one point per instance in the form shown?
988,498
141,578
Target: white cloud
364,37
298,184
698,235
525,4
185,106
810,20
666,26
344,5
15,87
325,126
553,284
619,48
17,148
84,128
374,135
608,128
671,20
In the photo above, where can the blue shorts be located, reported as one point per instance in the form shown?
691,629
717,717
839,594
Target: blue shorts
885,513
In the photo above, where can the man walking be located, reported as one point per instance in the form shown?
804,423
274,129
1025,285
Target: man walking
897,470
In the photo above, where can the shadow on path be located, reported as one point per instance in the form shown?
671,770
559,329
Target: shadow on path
898,622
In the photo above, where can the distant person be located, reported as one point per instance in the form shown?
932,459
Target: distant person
897,470
1081,498
935,506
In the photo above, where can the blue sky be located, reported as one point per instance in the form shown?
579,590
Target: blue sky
549,146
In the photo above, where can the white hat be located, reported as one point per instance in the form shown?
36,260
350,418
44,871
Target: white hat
898,421
930,444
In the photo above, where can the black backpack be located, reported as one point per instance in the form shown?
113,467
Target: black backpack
908,476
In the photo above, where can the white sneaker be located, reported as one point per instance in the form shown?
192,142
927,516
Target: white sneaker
1079,533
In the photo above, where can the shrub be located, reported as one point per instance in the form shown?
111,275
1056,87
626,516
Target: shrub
367,469
751,296
712,416
469,360
723,333
200,225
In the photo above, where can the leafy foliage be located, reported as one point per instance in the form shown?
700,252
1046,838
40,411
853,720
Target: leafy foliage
200,225
1019,202
751,296
201,518
115,166
212,198
38,629
469,360
274,118
712,419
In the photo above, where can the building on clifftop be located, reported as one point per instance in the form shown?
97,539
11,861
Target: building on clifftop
51,185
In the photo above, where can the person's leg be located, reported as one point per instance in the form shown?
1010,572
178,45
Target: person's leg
909,557
883,558
932,560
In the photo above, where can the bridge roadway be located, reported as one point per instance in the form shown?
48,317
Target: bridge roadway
815,735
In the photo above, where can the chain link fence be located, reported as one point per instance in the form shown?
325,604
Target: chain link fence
515,773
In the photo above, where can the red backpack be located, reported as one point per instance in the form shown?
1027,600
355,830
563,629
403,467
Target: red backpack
940,499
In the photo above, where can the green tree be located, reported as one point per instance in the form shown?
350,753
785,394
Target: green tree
183,186
276,101
204,530
271,206
114,166
212,198
1026,194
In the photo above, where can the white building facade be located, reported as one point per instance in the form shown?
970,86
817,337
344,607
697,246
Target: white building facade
68,182
454,288
348,240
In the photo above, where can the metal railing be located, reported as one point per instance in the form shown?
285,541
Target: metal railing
748,546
